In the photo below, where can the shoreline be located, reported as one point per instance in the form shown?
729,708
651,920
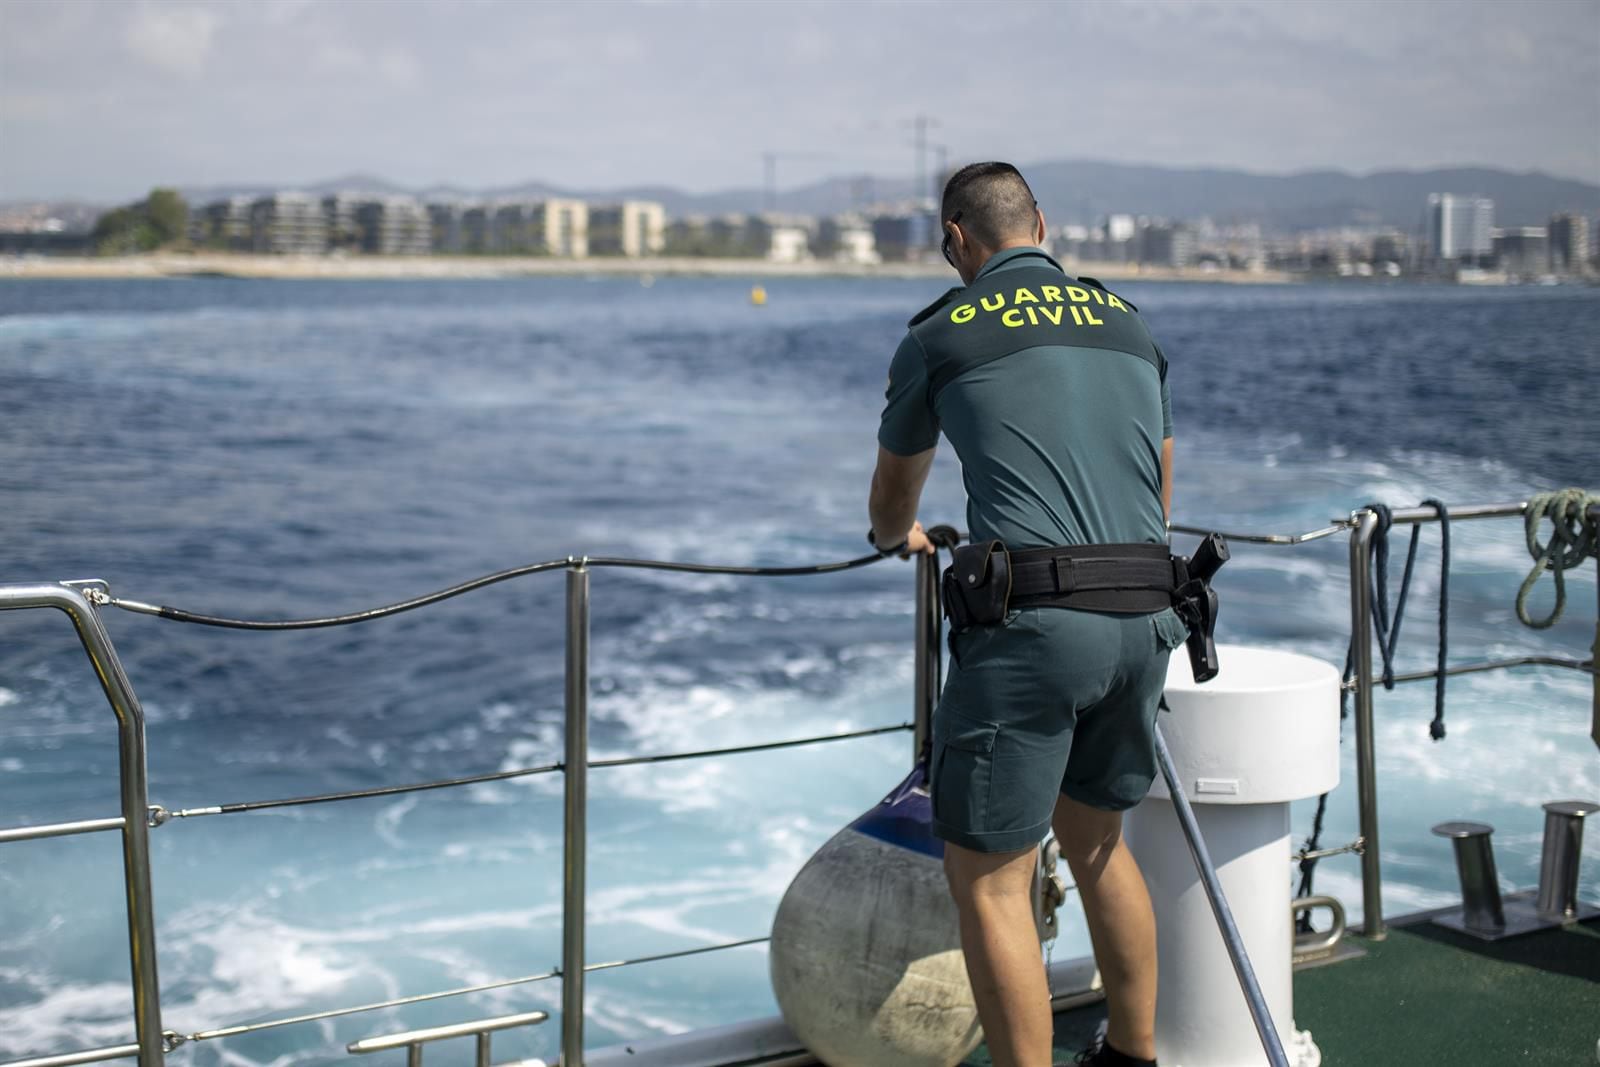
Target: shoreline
373,268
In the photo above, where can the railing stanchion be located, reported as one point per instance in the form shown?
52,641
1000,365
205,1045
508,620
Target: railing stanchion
1594,650
926,690
1366,523
135,795
576,815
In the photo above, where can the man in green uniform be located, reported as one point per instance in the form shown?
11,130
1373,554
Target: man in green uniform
1055,399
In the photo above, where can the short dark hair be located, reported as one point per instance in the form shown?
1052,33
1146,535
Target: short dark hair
994,200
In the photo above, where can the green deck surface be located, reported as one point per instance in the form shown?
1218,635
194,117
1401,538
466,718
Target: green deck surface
1429,996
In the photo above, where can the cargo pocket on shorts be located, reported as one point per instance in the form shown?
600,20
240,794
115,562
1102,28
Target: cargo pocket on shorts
963,765
1171,631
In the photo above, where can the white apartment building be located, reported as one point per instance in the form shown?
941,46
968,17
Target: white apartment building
632,228
1460,227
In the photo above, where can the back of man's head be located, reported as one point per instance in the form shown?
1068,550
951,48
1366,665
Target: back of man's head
995,203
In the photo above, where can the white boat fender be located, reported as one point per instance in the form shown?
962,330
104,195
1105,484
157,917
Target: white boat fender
866,950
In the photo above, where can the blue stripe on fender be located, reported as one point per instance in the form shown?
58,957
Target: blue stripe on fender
904,818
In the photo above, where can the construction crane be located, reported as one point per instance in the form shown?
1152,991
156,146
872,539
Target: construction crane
919,126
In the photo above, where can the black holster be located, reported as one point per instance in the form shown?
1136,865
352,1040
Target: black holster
1196,602
977,585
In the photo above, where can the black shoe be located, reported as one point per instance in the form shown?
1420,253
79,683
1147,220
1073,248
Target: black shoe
1103,1055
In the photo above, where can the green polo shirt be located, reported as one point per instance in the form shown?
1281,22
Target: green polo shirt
1054,396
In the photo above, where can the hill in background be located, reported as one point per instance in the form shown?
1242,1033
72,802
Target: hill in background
1085,191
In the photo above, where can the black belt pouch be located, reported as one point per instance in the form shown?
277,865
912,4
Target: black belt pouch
977,585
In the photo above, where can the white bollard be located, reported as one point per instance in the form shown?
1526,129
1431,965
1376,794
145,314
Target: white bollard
1264,732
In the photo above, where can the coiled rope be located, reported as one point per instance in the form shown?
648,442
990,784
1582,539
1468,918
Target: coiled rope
1574,537
1387,631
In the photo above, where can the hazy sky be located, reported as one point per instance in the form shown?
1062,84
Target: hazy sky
105,98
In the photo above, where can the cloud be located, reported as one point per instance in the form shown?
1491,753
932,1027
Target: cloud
395,66
174,39
691,93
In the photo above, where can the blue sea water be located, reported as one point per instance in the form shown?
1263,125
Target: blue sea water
273,449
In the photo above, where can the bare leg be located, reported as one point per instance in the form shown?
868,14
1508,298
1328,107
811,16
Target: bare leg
1122,925
993,895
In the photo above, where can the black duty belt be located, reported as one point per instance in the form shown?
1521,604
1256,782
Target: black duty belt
985,580
1126,579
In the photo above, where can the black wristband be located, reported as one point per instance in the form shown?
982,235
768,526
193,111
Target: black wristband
872,539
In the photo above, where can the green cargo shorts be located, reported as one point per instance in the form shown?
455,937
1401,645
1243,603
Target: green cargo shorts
1052,700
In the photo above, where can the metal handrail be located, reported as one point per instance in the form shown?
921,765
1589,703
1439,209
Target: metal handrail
1337,526
1364,523
575,816
61,829
83,611
72,1059
1586,666
80,599
134,794
413,1040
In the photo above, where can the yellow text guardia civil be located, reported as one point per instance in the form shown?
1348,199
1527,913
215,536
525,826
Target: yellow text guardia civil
1028,309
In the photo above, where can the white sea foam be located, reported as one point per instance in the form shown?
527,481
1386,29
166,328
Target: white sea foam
622,1014
8,697
66,1015
1399,897
387,824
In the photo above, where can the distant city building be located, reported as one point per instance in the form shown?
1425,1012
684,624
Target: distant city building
896,237
1121,228
1460,227
394,226
857,246
733,235
447,226
541,228
24,217
566,228
632,228
691,236
339,217
43,241
477,228
1568,243
1391,247
847,239
223,224
788,244
1167,245
1522,250
516,229
288,224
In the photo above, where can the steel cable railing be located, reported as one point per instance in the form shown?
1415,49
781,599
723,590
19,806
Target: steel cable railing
79,599
100,595
160,815
420,998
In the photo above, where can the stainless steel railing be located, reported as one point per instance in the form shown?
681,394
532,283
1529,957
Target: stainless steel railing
133,823
575,816
80,600
1362,525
